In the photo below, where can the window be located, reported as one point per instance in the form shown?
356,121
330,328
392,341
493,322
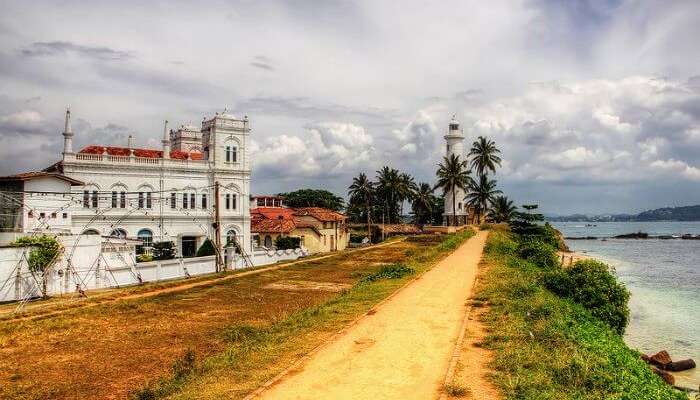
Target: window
204,201
230,237
91,232
149,201
193,203
42,215
173,200
268,241
234,154
140,199
228,201
86,199
94,199
184,200
53,215
65,215
114,199
122,200
233,201
120,233
459,206
228,153
146,236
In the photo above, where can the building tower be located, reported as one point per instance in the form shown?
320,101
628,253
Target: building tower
455,141
166,141
68,135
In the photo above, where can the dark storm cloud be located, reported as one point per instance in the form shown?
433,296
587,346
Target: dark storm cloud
42,49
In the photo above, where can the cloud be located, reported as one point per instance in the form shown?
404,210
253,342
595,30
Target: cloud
262,62
44,49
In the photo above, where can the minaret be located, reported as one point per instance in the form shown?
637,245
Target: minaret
455,143
67,135
166,141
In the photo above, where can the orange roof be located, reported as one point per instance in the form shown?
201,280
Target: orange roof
321,214
285,220
145,153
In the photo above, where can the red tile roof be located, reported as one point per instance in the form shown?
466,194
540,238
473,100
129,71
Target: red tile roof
145,153
321,214
285,220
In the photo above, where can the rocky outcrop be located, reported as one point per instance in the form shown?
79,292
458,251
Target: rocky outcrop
661,363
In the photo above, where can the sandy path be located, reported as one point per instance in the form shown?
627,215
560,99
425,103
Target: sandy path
403,350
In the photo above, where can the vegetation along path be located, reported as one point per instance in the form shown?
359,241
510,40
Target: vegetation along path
403,349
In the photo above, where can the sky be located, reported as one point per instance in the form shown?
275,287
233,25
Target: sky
594,104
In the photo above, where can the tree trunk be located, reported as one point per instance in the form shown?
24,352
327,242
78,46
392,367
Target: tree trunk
369,224
454,208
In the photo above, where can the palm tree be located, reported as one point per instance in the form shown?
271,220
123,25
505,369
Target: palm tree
422,202
453,174
389,189
502,210
484,155
407,188
362,190
481,194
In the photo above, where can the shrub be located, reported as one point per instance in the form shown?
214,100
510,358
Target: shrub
540,253
393,271
163,250
44,251
144,258
592,284
206,249
287,242
184,365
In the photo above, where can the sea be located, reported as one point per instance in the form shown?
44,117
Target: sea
663,276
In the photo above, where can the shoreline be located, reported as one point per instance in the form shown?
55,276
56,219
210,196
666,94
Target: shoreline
572,256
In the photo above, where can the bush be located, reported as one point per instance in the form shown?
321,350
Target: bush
163,250
592,284
144,258
393,271
206,249
287,242
44,251
354,238
540,253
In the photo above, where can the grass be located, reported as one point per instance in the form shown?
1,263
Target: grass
256,354
178,339
547,347
456,390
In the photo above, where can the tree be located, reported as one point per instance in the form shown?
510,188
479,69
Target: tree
313,198
44,253
452,174
484,155
407,189
389,192
206,249
423,203
362,191
502,210
481,194
287,242
163,250
527,222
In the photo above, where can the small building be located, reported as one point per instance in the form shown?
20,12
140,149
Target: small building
319,229
35,202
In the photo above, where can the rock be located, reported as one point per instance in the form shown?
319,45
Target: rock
666,376
661,359
638,235
682,365
645,358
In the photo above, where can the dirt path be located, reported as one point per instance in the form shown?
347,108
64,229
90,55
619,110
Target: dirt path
400,352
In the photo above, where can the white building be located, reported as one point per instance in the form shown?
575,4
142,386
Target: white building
162,194
455,146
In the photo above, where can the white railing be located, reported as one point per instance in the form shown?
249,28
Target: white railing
101,158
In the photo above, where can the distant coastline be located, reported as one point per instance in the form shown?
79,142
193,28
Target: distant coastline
685,213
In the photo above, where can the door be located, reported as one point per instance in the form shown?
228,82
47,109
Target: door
189,246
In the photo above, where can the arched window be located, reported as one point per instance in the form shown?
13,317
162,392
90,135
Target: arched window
91,232
268,241
146,236
231,237
119,232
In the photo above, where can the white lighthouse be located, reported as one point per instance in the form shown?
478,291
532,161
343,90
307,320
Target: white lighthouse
455,145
